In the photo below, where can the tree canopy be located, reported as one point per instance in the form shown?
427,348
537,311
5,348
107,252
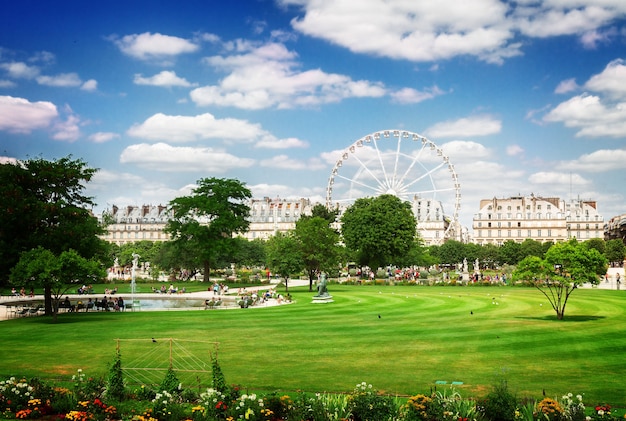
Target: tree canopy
39,267
565,267
381,230
284,255
319,244
43,204
204,222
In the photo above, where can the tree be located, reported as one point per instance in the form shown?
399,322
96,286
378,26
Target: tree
381,230
319,246
615,251
566,266
510,252
284,255
56,274
451,252
531,247
43,205
204,222
323,212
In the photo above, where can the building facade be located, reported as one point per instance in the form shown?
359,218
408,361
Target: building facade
269,216
544,219
135,223
615,228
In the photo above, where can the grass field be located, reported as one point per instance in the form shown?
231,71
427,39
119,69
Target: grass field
400,339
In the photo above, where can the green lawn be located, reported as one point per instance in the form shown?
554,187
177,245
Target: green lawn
474,335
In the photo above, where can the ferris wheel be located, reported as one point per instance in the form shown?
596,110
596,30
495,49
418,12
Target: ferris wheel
403,164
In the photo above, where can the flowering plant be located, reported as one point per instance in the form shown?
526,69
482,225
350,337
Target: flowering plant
213,404
15,394
247,407
365,403
97,410
550,408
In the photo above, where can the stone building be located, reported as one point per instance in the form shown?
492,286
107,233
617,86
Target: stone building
135,223
269,216
539,218
615,228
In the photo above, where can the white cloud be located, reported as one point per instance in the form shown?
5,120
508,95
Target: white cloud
163,157
22,116
588,114
557,179
514,150
430,31
7,84
465,150
596,162
63,80
68,130
90,86
286,163
270,142
19,70
103,137
566,86
148,46
413,96
612,80
176,128
268,75
480,125
165,79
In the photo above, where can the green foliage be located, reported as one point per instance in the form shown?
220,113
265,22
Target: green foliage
284,255
500,404
43,205
565,267
203,224
319,244
170,383
218,380
380,230
39,267
615,251
115,387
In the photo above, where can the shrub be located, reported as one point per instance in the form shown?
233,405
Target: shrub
500,404
115,388
170,383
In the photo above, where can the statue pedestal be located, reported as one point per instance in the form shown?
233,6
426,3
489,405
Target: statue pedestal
466,277
323,299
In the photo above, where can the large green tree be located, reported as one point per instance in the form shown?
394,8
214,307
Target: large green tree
319,244
204,222
565,267
380,230
43,204
39,267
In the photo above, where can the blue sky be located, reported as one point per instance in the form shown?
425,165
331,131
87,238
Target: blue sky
522,97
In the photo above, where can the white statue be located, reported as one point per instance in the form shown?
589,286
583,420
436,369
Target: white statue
135,260
465,265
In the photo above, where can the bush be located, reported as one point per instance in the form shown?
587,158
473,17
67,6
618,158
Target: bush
500,404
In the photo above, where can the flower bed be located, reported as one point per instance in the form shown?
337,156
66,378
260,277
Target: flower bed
87,400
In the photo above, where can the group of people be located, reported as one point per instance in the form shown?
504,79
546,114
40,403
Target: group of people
106,304
171,290
219,289
22,292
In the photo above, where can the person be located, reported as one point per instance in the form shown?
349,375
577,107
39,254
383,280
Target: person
120,303
14,292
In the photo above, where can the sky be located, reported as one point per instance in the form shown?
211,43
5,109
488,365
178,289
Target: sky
521,97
